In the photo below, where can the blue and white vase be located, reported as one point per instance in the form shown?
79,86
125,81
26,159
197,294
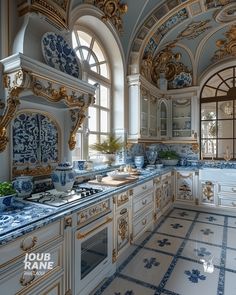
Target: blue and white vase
23,186
139,161
63,177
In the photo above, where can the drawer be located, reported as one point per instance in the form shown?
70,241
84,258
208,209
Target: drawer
227,188
140,203
121,199
19,280
142,223
29,242
93,212
157,180
142,188
227,201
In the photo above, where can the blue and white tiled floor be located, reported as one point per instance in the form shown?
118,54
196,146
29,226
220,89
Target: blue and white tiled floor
189,252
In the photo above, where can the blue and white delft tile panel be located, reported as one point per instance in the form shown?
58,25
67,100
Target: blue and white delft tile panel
35,139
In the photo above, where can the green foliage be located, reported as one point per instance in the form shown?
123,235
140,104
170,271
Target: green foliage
169,155
109,146
6,188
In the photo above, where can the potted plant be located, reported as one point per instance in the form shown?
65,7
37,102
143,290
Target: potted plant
109,148
6,193
169,157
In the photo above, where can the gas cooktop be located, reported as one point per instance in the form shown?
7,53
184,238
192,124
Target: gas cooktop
57,199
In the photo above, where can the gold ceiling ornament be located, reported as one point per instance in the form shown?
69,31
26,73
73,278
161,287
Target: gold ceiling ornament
168,63
57,11
194,29
113,11
77,117
227,47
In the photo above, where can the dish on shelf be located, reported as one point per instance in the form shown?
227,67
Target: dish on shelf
118,175
59,55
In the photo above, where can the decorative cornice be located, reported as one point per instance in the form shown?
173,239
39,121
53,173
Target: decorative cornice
55,10
113,11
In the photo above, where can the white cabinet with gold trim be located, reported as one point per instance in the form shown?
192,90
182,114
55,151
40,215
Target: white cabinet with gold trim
185,186
122,222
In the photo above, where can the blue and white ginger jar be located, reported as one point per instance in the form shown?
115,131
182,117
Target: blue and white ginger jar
23,186
63,177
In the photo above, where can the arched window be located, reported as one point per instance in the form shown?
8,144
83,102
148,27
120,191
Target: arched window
218,115
95,71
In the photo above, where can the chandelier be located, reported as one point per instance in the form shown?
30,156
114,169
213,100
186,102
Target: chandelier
227,108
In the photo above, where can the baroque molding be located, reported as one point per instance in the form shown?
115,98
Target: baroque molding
227,47
55,10
113,11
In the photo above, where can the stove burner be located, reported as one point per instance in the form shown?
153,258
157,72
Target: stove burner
55,198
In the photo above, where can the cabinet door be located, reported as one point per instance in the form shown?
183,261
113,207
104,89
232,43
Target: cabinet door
207,192
144,113
164,115
181,118
184,186
166,190
153,117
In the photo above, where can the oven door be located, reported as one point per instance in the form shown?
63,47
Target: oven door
93,254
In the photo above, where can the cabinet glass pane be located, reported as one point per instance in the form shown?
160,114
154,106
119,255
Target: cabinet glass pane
181,118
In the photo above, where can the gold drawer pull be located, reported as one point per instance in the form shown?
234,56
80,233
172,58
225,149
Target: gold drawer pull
144,202
33,243
234,204
25,282
84,235
233,190
123,211
144,221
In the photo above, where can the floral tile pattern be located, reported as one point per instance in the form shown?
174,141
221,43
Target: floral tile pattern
191,254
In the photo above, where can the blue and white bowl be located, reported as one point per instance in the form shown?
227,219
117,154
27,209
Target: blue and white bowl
23,186
139,161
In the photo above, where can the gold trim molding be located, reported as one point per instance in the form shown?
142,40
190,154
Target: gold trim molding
50,90
113,11
56,11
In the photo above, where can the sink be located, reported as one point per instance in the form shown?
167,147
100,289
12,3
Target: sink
217,174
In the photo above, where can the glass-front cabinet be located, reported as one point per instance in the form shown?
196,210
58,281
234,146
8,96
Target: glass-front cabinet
157,115
181,118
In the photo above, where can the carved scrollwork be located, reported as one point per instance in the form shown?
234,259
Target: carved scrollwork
15,85
77,117
113,10
123,228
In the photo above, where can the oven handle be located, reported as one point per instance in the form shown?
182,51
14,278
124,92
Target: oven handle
83,235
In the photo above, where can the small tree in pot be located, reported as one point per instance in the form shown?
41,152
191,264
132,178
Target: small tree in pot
108,147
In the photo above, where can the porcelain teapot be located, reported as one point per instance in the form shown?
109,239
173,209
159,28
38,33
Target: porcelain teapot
63,177
23,185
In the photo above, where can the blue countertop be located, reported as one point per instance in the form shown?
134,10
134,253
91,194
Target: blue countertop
29,216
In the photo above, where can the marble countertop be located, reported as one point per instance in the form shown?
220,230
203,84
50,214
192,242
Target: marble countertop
29,216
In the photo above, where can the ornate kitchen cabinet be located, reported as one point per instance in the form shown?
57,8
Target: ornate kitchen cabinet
142,209
16,279
166,191
227,193
208,192
157,197
122,222
143,109
185,186
154,114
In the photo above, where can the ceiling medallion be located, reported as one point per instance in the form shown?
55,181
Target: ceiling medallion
227,47
113,10
194,29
